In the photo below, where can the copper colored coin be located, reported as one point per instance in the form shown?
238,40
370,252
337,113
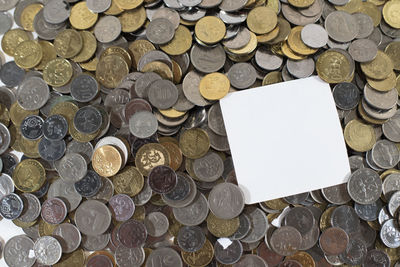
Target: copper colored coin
290,263
162,179
132,234
271,257
333,241
135,105
54,211
99,260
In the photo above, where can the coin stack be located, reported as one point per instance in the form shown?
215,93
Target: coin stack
125,161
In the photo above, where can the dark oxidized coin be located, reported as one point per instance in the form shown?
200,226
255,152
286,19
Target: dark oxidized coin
181,190
51,150
132,234
54,211
376,258
271,257
11,206
32,127
89,185
84,88
230,254
88,120
333,241
55,127
346,95
162,179
355,252
43,190
191,238
11,75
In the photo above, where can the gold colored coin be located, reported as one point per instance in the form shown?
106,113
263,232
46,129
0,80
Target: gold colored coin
164,139
351,7
175,154
247,49
296,44
66,109
274,5
241,58
29,147
29,175
303,258
265,38
276,204
106,161
287,51
180,44
301,3
200,258
371,10
49,53
28,54
18,114
367,118
116,50
220,227
157,200
151,155
81,17
138,48
90,65
172,113
325,221
392,50
272,77
58,72
4,115
187,22
68,43
89,46
28,15
128,4
22,224
160,68
210,29
114,9
177,72
262,20
390,13
132,20
129,181
111,70
379,68
76,259
333,67
46,228
214,86
139,214
384,85
12,39
194,143
359,136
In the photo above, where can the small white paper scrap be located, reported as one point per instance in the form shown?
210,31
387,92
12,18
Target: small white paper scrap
285,139
224,242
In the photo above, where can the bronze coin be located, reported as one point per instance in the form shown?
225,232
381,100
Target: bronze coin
271,257
54,211
132,234
135,105
333,241
162,179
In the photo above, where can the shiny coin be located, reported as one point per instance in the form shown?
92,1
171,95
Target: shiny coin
364,180
11,206
32,127
55,127
47,250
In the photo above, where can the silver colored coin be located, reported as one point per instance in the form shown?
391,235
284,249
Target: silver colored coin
93,243
313,10
341,26
267,60
230,254
300,218
167,13
376,36
190,3
314,35
209,3
394,203
193,214
33,93
390,234
232,19
56,11
384,215
160,31
47,250
295,17
259,224
55,127
232,5
143,82
368,212
45,30
6,22
336,194
388,30
198,116
391,128
376,257
182,104
209,167
191,238
11,75
144,196
143,124
175,4
51,150
88,120
84,88
7,5
207,59
355,252
97,6
183,194
163,94
346,95
363,50
346,218
92,218
32,232
156,224
364,186
19,8
301,68
164,257
6,185
32,208
391,184
68,236
365,25
285,240
240,40
84,149
244,227
217,142
107,29
7,97
154,55
226,201
66,192
338,2
192,14
378,114
122,207
385,154
18,252
242,75
5,138
191,90
250,260
106,191
380,100
127,257
11,206
72,167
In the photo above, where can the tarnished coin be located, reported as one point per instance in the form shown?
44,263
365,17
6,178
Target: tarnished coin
333,241
191,238
47,250
55,127
162,179
68,236
11,206
89,185
226,201
54,211
22,256
143,124
88,120
51,150
132,234
346,218
300,218
160,31
87,218
122,207
346,95
376,257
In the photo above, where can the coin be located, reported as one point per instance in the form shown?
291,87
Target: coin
214,86
10,74
89,185
285,240
194,149
11,206
54,211
160,31
20,257
242,75
106,160
261,26
359,136
359,180
47,250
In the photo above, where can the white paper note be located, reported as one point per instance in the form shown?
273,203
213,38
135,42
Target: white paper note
285,139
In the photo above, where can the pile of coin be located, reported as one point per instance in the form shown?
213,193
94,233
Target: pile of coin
125,159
